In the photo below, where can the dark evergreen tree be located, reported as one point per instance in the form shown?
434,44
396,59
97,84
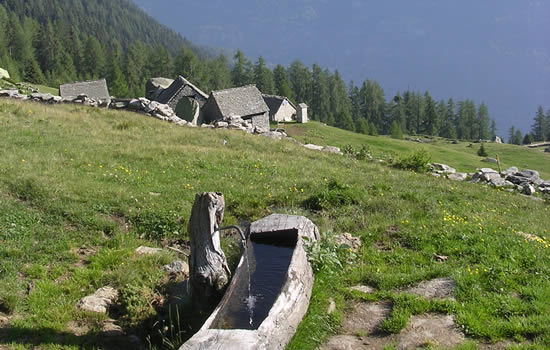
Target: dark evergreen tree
219,74
263,77
396,132
320,99
493,129
528,139
517,137
117,82
282,82
32,72
539,129
94,62
431,124
300,82
242,70
483,121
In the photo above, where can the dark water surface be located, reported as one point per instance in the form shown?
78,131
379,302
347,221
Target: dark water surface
268,261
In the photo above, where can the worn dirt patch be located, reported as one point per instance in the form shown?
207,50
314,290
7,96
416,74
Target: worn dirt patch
439,288
78,328
435,330
365,317
83,254
344,342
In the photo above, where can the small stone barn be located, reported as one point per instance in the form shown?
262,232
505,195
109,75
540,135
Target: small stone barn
96,89
185,99
281,109
246,102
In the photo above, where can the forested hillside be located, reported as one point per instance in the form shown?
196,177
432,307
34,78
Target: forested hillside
64,40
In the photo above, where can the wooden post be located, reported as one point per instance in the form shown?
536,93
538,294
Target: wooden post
208,270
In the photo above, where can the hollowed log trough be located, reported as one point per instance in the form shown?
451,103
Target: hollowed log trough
269,293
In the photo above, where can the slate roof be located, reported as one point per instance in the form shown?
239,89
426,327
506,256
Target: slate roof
274,101
96,89
173,90
241,101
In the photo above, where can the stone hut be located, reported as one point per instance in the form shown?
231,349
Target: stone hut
185,99
281,109
301,113
96,89
245,102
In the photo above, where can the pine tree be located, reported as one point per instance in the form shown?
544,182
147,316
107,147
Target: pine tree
220,76
263,77
493,129
511,135
49,49
300,82
396,132
517,137
188,65
32,72
320,99
282,82
117,82
483,121
362,126
528,139
539,128
242,70
94,62
431,124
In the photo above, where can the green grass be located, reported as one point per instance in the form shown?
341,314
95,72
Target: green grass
459,156
73,177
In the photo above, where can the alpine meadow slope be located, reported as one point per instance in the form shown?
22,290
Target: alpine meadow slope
81,188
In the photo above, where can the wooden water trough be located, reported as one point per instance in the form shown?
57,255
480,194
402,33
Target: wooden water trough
269,293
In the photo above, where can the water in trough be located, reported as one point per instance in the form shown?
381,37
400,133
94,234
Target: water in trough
260,280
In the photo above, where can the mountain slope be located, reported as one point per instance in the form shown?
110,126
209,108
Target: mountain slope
115,22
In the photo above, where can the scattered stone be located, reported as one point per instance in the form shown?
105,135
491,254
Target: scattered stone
332,149
528,189
331,306
510,171
439,288
177,267
110,329
442,168
4,320
437,330
490,160
313,147
363,289
221,124
457,176
274,135
347,239
142,250
436,175
441,258
100,301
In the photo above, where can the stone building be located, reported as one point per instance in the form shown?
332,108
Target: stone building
245,102
185,99
96,89
281,109
301,113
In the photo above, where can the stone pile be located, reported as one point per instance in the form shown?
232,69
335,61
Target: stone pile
151,108
525,181
13,94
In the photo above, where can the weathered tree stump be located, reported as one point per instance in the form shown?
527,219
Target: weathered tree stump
209,272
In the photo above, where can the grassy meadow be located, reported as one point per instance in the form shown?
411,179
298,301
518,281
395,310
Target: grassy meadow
81,188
